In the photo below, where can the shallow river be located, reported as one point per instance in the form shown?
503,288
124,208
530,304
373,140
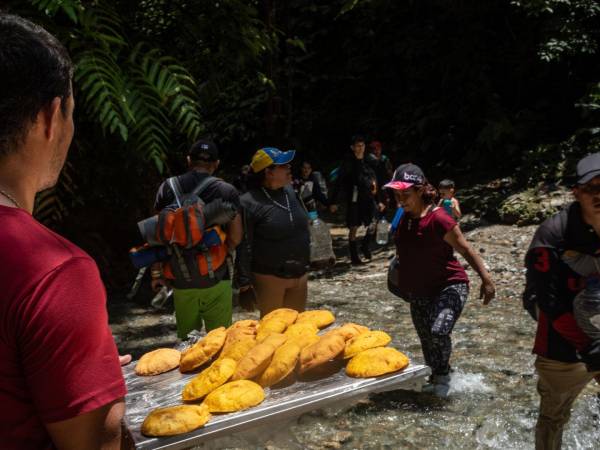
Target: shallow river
493,402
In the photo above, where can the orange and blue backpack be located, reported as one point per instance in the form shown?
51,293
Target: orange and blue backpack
192,233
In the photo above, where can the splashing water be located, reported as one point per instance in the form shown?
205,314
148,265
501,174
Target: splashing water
469,382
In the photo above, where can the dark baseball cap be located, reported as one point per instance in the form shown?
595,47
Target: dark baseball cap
588,168
405,176
204,150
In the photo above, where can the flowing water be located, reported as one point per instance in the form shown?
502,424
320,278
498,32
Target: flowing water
493,401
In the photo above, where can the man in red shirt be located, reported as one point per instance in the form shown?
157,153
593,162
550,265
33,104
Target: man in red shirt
61,384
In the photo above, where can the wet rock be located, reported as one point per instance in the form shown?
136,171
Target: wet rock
338,439
533,205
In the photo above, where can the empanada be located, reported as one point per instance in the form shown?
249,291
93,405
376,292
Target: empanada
209,379
375,362
286,314
238,349
203,350
365,341
247,323
319,317
268,327
301,329
234,396
348,330
254,363
281,365
175,420
158,361
238,334
326,348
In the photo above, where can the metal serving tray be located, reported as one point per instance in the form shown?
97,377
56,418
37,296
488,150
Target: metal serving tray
148,393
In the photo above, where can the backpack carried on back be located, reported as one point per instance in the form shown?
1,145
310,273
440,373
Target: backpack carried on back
191,232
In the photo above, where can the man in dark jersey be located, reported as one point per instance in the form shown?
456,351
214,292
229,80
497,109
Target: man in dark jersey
567,360
358,182
211,305
61,384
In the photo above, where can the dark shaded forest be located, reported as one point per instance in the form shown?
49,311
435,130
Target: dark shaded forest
472,90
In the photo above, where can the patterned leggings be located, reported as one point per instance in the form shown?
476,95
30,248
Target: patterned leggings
434,319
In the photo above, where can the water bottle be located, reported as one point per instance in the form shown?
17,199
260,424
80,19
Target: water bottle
382,232
159,300
321,248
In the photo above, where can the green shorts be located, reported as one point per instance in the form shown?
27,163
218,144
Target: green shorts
211,305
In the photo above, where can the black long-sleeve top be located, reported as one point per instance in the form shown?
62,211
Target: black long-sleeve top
273,243
354,172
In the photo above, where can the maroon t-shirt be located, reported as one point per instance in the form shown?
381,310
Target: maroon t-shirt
426,262
58,358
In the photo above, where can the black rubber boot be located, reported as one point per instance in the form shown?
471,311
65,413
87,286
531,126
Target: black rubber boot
354,258
365,245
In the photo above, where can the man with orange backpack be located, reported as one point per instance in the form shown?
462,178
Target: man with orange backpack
199,271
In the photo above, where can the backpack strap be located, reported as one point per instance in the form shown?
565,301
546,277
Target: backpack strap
173,183
203,185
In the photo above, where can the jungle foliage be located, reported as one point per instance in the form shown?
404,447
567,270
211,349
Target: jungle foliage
475,90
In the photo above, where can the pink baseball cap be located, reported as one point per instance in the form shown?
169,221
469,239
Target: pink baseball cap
406,176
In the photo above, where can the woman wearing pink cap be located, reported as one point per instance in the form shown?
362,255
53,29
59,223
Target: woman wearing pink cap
430,277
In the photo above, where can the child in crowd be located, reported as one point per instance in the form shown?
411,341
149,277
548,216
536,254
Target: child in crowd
447,199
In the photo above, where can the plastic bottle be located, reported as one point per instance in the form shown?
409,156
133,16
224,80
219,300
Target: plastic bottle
321,248
159,300
383,231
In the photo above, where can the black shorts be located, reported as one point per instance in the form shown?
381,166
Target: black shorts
360,213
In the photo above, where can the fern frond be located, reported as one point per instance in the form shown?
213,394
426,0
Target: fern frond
174,86
100,80
103,25
71,8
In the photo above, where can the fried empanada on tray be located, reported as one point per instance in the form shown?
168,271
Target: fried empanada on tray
234,396
247,323
209,379
158,361
375,362
286,314
175,420
348,330
325,349
203,350
238,334
238,349
281,365
270,326
321,318
257,359
365,341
